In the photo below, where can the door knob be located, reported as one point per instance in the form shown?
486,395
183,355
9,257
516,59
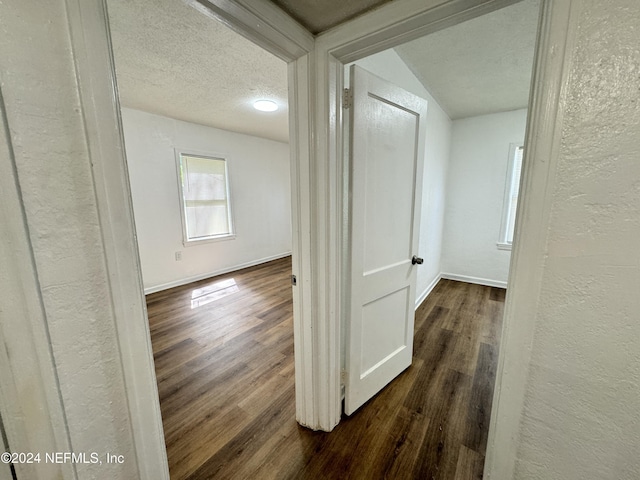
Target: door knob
417,260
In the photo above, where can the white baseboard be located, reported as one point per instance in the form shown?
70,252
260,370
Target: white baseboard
184,281
428,290
480,281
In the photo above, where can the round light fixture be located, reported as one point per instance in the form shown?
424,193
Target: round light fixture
265,105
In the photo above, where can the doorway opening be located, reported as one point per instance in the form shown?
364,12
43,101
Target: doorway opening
205,123
475,77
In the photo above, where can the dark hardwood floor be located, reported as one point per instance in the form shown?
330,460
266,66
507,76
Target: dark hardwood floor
223,351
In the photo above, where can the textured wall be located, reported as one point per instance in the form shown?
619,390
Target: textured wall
582,406
55,179
475,195
260,198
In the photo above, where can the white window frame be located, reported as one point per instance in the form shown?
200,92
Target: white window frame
509,185
186,241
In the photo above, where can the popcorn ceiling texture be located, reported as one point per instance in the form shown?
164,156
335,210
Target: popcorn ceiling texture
174,61
582,406
479,66
54,171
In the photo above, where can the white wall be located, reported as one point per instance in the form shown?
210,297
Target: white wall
389,65
580,414
72,290
475,195
260,198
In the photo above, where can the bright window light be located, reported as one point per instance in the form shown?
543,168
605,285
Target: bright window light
512,189
204,190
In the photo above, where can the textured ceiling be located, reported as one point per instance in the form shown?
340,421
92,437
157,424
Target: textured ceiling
318,16
174,61
481,66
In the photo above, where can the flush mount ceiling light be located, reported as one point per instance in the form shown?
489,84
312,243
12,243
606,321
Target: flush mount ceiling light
265,105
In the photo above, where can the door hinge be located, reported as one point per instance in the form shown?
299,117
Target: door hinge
347,98
343,377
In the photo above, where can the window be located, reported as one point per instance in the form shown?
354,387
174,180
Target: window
512,188
204,197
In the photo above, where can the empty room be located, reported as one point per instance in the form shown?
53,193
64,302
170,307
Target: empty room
319,293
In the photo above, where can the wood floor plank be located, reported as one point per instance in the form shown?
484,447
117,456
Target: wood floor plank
470,464
438,454
407,434
477,424
223,349
373,453
227,460
498,294
202,441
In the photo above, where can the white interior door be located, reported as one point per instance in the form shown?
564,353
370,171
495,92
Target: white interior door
387,156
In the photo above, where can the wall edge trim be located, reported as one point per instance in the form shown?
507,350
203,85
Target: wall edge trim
477,280
215,273
423,296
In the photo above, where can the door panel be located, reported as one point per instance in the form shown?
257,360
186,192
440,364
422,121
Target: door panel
387,230
374,316
387,154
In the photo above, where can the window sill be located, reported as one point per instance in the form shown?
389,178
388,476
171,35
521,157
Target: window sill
220,238
504,246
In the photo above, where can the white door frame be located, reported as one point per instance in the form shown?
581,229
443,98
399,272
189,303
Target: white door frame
389,26
315,81
386,27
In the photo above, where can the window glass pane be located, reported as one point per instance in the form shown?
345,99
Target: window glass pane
513,197
205,196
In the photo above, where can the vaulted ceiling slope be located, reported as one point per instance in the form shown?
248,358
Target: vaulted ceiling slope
480,66
318,16
174,61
